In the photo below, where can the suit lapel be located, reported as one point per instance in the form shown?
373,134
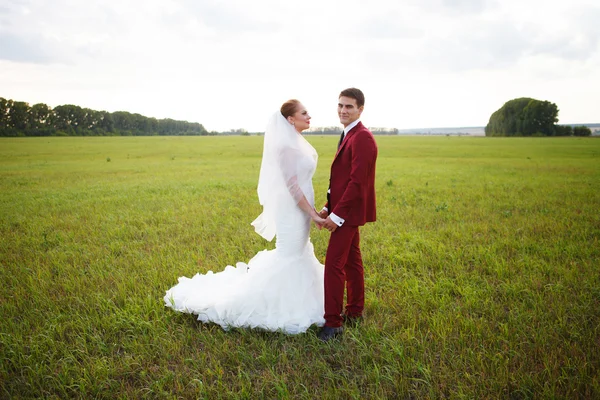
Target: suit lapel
348,135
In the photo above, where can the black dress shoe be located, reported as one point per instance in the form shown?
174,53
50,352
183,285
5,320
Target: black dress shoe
327,333
351,320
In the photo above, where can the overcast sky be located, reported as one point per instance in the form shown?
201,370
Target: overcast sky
229,64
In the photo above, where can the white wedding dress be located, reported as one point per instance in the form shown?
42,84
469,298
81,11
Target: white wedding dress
279,289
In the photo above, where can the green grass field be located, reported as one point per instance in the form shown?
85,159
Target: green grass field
482,271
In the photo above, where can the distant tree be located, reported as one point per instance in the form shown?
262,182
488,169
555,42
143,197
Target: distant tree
6,127
4,108
582,131
563,130
381,131
327,130
68,119
152,125
18,116
539,117
122,121
40,118
141,125
523,117
89,122
105,123
167,126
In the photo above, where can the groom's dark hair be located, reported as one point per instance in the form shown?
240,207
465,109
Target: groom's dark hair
355,94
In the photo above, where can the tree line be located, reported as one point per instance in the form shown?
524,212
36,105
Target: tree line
17,118
337,130
530,117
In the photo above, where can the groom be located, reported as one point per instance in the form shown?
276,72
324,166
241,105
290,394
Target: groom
350,204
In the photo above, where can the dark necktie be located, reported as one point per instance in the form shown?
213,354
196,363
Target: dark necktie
341,139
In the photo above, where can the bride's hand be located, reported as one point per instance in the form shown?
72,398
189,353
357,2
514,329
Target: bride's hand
318,221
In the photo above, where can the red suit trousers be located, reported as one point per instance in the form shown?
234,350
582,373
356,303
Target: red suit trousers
343,268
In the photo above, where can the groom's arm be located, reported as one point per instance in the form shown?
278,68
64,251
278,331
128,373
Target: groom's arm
324,213
337,220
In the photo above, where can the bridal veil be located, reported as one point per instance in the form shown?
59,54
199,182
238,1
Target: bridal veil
281,179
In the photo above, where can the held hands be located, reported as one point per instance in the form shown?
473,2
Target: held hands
318,221
330,225
325,221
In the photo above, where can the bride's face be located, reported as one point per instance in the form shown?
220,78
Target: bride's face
301,119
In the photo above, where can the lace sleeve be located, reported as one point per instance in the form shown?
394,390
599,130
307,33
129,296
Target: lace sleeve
289,161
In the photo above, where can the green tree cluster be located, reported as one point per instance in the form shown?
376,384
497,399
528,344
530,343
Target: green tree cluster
582,131
523,117
17,118
530,117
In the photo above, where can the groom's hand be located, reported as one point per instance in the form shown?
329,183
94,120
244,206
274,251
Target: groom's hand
330,225
323,214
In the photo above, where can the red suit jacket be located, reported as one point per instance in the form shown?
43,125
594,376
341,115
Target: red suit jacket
352,182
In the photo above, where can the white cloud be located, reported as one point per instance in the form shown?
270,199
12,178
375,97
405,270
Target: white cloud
229,64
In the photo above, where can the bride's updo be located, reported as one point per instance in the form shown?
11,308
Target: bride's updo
289,108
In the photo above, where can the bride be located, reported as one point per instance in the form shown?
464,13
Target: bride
280,289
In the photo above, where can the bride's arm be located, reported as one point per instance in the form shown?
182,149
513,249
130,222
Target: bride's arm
310,210
288,161
307,208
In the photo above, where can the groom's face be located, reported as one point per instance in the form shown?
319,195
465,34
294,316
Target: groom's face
348,111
